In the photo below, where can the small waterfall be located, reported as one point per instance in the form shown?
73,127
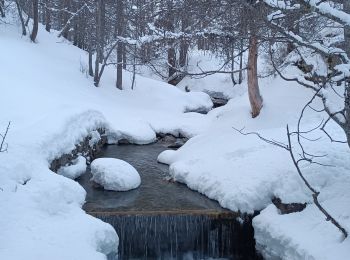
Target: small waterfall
182,236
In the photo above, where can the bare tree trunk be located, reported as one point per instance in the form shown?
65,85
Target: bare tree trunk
2,8
20,14
347,113
35,20
171,60
184,45
120,46
65,19
119,83
98,43
346,7
47,16
124,57
102,29
91,71
240,75
255,98
232,56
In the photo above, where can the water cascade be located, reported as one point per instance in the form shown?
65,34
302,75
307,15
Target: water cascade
166,220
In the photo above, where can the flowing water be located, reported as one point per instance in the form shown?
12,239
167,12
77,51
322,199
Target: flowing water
166,220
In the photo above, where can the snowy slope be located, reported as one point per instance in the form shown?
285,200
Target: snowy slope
52,106
243,173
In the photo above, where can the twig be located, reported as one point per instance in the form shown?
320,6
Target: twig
3,145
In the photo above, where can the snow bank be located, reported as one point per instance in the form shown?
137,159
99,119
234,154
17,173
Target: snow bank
243,173
53,106
115,174
75,170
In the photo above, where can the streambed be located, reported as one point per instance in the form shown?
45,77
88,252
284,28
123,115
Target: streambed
163,219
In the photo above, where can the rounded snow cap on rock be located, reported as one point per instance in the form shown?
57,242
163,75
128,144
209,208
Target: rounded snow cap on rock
115,174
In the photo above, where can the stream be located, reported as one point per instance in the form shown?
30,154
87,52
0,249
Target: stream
163,219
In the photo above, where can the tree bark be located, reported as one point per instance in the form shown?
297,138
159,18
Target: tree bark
240,75
98,43
255,98
47,16
184,45
347,113
91,71
171,61
346,7
35,20
20,14
120,46
65,19
2,11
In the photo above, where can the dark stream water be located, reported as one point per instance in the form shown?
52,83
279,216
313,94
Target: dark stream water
166,220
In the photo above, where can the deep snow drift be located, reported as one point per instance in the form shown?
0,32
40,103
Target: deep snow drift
52,106
115,174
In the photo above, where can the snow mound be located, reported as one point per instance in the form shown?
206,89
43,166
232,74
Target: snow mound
75,170
115,174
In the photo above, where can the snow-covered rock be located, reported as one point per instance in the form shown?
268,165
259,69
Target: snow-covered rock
115,174
75,170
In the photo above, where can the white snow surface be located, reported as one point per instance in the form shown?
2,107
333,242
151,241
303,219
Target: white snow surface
115,174
52,106
75,170
243,173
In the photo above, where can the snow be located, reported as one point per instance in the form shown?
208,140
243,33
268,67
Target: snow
75,170
53,106
243,173
115,174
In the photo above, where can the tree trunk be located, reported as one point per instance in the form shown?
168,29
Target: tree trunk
184,45
65,19
346,6
119,83
98,43
20,14
171,61
35,20
120,46
255,98
232,57
347,113
124,57
91,71
47,16
240,75
2,8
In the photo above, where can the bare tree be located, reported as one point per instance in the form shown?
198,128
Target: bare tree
20,15
120,46
35,29
2,8
255,98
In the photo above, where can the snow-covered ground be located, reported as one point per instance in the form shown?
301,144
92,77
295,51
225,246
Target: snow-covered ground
53,105
244,173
